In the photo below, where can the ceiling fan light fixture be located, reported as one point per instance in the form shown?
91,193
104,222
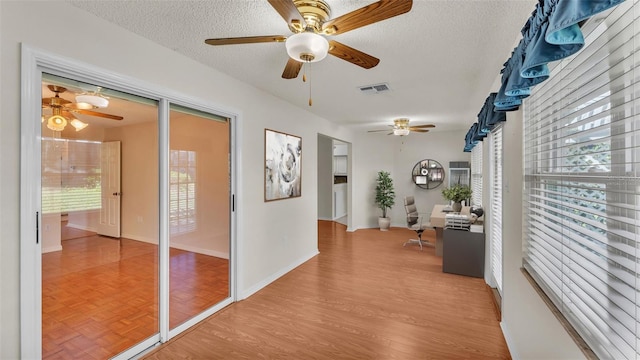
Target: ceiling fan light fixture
92,100
56,123
79,125
307,47
401,132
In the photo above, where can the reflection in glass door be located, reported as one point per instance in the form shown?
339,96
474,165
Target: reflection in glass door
199,212
99,247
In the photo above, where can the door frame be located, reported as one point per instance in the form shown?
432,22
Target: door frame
33,63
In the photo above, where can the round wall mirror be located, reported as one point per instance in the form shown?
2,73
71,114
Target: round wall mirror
428,174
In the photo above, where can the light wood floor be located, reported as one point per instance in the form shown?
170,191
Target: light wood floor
99,295
365,296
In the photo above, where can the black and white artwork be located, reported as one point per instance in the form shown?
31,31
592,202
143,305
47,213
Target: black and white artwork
282,165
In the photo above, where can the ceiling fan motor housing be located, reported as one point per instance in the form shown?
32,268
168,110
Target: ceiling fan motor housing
314,12
401,123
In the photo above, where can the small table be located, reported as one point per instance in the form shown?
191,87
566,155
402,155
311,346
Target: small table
437,221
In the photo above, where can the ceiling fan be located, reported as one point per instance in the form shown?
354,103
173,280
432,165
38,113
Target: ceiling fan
401,127
310,22
63,110
93,97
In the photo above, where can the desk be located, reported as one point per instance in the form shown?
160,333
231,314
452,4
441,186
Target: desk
437,221
463,253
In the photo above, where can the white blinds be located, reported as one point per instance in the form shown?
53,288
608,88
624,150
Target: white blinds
582,197
476,175
70,175
495,223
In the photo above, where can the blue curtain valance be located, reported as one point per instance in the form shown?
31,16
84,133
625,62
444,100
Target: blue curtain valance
488,117
551,33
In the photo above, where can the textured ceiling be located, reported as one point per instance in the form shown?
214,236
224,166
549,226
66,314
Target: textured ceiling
440,59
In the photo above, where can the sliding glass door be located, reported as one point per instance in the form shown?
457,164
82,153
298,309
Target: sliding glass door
99,201
199,212
133,218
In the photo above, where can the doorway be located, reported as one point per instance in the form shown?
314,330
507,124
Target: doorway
114,294
334,186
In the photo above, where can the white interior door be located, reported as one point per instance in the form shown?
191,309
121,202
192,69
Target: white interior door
109,223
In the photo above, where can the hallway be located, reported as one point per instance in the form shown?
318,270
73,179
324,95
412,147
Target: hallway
365,296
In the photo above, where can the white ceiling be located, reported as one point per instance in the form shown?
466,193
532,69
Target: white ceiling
440,60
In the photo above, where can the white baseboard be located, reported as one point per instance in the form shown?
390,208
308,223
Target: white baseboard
325,218
275,276
184,247
140,238
82,227
509,340
195,249
51,249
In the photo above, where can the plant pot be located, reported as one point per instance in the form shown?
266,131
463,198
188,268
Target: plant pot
457,206
384,223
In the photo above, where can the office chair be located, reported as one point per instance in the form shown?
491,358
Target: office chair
414,222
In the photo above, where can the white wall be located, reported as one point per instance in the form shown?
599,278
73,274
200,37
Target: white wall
272,238
325,177
51,232
398,155
369,155
441,146
139,172
531,330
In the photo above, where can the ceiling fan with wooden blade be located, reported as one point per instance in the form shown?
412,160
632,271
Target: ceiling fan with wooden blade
63,111
310,22
71,107
401,127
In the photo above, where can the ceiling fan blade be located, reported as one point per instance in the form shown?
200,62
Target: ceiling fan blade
98,114
79,106
367,15
378,130
69,115
292,69
246,40
422,126
352,55
419,130
289,12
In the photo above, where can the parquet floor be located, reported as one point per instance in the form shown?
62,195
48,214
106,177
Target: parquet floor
365,296
100,294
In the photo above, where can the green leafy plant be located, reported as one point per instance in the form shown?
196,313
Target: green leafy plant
457,193
385,195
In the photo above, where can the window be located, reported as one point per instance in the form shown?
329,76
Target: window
582,190
182,191
70,175
495,222
476,175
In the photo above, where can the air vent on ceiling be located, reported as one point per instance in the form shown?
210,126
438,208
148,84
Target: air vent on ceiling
374,89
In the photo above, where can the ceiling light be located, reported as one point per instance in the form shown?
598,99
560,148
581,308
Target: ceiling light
79,125
56,123
307,47
401,132
93,100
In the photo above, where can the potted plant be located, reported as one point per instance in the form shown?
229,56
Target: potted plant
385,198
457,193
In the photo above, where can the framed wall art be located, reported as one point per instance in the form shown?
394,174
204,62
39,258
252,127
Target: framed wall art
282,165
428,174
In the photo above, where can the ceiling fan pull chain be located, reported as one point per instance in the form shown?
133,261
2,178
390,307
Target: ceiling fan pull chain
304,73
310,101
